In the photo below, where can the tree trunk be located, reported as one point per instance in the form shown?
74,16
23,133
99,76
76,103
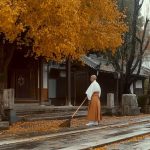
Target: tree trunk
127,88
124,86
3,80
6,54
121,86
3,85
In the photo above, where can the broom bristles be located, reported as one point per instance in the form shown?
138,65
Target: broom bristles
66,123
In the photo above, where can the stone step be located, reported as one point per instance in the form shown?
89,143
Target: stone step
57,113
46,109
4,125
52,116
34,116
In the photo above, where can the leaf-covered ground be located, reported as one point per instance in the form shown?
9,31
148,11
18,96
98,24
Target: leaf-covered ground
51,126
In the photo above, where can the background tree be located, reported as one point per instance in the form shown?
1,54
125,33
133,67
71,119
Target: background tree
10,28
128,58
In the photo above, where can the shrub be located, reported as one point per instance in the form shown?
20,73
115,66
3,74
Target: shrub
143,100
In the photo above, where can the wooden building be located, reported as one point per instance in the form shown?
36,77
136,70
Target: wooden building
36,81
109,79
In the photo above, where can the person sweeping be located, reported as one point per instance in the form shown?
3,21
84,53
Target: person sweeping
94,106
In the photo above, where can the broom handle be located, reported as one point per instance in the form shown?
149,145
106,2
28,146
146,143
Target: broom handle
79,107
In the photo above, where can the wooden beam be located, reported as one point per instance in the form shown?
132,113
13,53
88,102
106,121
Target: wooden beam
68,100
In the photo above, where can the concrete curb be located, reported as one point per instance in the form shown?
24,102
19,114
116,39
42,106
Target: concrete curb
104,142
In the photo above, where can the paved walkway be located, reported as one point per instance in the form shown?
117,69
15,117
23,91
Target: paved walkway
80,139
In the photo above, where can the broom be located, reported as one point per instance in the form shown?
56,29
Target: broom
67,123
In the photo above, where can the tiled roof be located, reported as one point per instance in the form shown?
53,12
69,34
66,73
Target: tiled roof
101,64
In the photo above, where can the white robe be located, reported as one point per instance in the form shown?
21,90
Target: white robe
94,87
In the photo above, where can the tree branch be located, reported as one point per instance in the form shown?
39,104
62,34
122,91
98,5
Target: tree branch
140,5
141,41
136,64
144,32
9,55
139,69
133,41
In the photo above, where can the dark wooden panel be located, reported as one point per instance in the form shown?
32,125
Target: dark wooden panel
22,84
81,84
23,76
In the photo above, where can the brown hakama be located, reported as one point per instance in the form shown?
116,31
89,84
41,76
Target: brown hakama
94,108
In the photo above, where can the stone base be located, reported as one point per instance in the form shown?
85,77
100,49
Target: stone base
130,105
111,111
130,110
11,116
110,100
4,125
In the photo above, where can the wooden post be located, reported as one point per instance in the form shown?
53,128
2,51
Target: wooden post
48,83
75,90
117,88
40,80
68,100
117,92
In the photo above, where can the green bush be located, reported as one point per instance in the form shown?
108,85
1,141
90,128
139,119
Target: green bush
143,100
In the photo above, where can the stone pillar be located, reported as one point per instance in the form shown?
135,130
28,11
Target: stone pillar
8,102
8,98
130,105
110,100
110,110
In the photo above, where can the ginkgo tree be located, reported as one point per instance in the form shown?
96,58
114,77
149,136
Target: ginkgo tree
59,29
62,28
70,28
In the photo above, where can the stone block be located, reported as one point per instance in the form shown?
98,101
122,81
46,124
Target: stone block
8,98
111,111
129,99
128,110
11,116
110,100
130,105
4,125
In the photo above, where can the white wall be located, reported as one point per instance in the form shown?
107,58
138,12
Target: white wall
138,84
45,76
131,88
52,88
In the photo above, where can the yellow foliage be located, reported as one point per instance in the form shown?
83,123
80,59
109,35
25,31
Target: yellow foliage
64,28
9,18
